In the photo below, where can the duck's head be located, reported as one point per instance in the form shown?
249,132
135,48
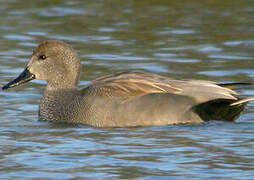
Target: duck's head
53,61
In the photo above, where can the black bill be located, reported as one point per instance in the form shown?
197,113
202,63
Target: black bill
24,77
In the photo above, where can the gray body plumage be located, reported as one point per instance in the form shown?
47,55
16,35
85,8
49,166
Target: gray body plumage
149,110
123,99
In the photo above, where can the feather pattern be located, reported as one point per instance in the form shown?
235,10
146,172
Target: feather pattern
134,84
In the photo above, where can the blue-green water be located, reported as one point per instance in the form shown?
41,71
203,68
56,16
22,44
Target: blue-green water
180,39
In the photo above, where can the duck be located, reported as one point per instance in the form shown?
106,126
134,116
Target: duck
124,99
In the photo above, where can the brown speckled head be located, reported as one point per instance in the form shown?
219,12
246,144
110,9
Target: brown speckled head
53,61
57,63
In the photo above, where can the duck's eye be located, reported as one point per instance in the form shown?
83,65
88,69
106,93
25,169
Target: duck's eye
42,57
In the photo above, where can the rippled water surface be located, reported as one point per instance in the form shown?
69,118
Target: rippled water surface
211,40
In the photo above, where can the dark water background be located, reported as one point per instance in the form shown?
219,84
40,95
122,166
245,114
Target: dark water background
210,40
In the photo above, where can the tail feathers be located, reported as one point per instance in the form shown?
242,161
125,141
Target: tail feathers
234,84
242,101
221,109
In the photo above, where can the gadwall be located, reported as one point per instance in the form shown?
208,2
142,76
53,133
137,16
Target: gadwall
123,99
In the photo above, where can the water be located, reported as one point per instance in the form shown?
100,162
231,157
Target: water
180,39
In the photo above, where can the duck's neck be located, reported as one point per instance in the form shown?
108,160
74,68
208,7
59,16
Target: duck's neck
54,86
57,104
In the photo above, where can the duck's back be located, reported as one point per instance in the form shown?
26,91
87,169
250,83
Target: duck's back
140,99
